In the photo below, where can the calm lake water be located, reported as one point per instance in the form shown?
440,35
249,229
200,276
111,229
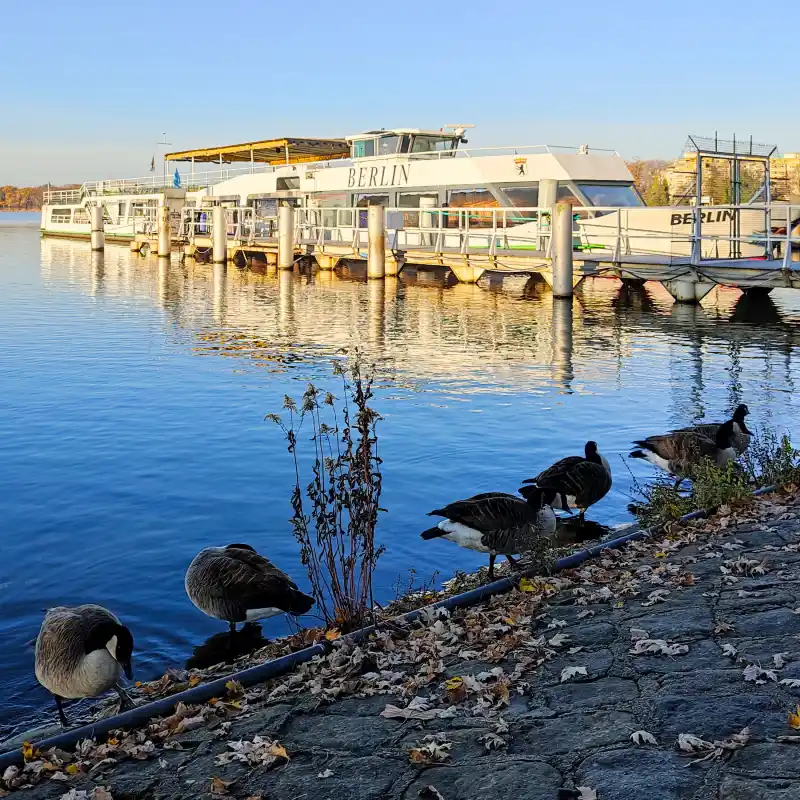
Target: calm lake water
129,439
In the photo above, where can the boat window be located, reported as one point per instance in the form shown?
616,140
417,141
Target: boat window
387,145
405,143
472,198
363,148
432,144
283,184
61,216
80,216
364,200
121,210
522,196
564,194
610,194
411,218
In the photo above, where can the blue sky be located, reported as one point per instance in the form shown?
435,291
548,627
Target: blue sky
88,88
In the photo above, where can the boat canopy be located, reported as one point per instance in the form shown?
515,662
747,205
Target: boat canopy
269,151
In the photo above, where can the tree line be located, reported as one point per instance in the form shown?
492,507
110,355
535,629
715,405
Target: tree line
24,198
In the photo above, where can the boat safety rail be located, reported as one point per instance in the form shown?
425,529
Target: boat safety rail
437,228
724,231
513,150
56,197
242,224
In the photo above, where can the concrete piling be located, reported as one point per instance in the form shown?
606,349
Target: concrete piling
285,237
164,232
561,252
376,237
219,235
98,236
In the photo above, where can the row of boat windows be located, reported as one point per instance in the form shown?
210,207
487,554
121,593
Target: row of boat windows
405,143
112,212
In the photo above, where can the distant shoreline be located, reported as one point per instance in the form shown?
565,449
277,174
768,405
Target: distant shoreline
19,210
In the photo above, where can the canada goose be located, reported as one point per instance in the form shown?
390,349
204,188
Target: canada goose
82,652
679,452
579,481
494,522
236,584
741,433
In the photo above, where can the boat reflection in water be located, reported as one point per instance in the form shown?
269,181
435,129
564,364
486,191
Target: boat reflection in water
429,327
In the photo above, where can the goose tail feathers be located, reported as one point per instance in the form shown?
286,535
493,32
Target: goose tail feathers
299,603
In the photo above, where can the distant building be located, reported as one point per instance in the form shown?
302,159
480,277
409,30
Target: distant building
681,175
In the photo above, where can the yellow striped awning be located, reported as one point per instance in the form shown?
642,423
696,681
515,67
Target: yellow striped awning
270,151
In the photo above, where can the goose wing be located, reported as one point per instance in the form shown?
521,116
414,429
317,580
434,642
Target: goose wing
64,632
253,580
576,476
551,477
487,512
682,448
707,429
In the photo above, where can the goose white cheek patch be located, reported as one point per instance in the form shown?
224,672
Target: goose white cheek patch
112,646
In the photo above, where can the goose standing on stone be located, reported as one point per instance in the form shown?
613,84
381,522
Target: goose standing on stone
237,584
83,652
579,481
741,433
494,523
680,452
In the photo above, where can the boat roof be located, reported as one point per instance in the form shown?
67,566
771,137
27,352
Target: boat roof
400,131
271,151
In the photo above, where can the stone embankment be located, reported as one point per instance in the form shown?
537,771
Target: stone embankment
667,670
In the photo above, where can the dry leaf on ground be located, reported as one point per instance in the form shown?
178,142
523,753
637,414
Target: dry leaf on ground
643,737
571,672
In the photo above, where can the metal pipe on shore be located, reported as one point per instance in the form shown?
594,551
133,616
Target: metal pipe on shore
98,238
279,666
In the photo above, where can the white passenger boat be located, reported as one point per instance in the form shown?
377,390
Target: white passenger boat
400,168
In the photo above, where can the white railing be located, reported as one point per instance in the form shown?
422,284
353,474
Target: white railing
600,233
440,229
150,184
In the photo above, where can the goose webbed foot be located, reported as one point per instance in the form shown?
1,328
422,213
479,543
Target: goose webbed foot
125,701
62,717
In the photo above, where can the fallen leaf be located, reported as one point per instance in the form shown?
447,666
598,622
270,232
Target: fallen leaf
235,689
792,683
729,650
586,793
219,786
571,672
325,773
643,737
332,634
278,750
690,743
194,680
794,719
71,769
29,751
101,793
559,640
752,672
527,585
491,741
